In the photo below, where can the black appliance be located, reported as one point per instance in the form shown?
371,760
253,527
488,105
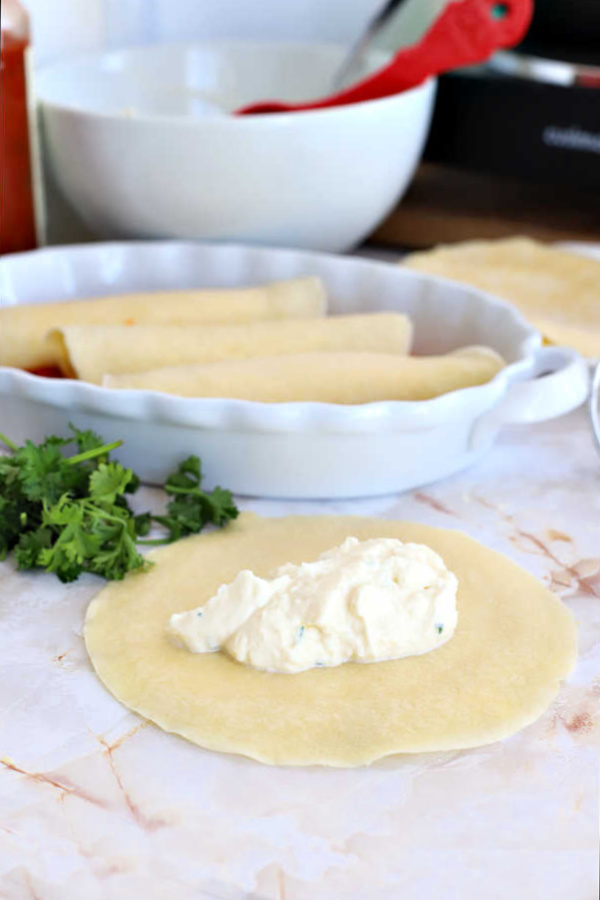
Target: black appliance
532,113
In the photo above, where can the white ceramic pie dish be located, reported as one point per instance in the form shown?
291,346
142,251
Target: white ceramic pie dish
295,450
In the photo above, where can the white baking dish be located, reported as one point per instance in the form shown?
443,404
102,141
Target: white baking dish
296,450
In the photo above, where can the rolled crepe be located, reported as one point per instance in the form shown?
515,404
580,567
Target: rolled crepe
90,351
23,329
325,377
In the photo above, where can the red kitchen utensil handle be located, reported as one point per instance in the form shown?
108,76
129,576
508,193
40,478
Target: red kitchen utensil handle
467,32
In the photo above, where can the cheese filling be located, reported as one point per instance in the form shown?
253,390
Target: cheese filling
364,601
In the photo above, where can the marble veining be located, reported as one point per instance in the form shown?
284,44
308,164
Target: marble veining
97,803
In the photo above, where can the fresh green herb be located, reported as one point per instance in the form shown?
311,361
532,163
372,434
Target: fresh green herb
69,514
192,508
440,628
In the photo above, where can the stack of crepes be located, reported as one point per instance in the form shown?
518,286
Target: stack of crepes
558,291
272,343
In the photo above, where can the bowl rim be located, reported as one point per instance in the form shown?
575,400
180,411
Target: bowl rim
260,416
260,119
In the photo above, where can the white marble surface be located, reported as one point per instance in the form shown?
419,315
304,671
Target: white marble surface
96,803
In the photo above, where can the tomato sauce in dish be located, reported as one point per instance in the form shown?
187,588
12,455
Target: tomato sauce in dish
47,372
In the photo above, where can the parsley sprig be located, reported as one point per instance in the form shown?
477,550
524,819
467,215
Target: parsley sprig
191,508
70,514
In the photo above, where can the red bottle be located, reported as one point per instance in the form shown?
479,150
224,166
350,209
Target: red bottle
19,178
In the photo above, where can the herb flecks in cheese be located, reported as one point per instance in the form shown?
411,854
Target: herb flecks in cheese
360,602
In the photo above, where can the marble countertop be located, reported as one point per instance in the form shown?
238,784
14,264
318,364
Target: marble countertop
96,803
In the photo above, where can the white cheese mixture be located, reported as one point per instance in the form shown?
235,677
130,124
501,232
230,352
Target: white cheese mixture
364,601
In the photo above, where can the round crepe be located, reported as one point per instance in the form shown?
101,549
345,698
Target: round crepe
514,642
559,292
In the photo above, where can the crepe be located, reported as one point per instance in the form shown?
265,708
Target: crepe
324,377
558,292
90,351
23,329
514,642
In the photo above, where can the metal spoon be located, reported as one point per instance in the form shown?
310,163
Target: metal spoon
352,64
594,405
467,32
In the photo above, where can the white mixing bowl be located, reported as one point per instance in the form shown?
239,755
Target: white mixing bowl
141,144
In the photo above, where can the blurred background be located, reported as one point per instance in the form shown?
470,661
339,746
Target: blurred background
513,145
81,26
